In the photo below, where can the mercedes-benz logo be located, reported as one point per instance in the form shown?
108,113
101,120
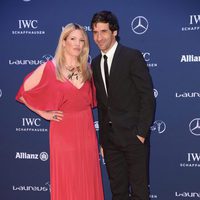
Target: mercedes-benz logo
159,126
194,126
139,25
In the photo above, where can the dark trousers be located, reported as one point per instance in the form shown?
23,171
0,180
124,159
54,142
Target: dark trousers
127,169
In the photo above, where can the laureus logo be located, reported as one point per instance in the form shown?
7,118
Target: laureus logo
159,126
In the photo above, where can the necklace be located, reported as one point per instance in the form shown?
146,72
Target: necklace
73,72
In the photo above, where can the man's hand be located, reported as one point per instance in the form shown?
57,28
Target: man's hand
142,139
101,150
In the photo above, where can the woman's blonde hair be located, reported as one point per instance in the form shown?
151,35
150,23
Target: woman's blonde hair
82,59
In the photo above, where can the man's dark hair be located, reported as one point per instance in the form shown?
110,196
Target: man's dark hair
106,17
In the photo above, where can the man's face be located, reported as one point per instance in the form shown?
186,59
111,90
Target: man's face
103,36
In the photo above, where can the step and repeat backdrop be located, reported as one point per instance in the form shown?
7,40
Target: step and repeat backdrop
168,35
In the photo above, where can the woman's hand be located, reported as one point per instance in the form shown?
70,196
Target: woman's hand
53,115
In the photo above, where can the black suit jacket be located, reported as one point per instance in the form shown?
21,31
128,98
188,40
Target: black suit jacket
130,101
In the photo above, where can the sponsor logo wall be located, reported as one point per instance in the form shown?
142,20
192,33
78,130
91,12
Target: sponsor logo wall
167,34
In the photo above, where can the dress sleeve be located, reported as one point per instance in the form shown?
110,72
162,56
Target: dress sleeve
43,95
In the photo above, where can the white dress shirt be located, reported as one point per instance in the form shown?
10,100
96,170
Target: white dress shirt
110,55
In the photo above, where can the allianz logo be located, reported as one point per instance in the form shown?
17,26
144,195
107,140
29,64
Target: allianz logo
190,58
31,188
187,94
43,156
188,194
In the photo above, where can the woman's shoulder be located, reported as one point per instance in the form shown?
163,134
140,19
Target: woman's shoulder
44,68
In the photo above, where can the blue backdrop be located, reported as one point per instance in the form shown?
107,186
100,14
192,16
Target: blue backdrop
168,35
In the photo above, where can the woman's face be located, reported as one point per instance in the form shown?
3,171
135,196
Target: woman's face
74,43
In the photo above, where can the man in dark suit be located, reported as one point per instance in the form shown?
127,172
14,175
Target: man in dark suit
125,109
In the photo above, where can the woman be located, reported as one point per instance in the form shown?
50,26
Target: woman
61,91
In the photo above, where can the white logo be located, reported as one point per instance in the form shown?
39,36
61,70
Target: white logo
18,62
47,57
194,126
31,156
155,93
23,24
31,125
193,157
26,0
187,94
44,156
96,125
48,185
190,58
28,27
0,93
32,188
139,25
194,19
87,28
153,196
159,126
193,160
146,56
31,121
188,194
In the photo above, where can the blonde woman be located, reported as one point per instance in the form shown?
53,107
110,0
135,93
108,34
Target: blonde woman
61,91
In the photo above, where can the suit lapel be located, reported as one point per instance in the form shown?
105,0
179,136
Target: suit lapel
113,75
114,65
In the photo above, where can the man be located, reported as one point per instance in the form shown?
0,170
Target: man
125,109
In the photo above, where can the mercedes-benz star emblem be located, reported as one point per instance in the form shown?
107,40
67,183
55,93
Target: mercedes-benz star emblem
194,126
139,25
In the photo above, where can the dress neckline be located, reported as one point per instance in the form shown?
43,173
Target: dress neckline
68,81
78,88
